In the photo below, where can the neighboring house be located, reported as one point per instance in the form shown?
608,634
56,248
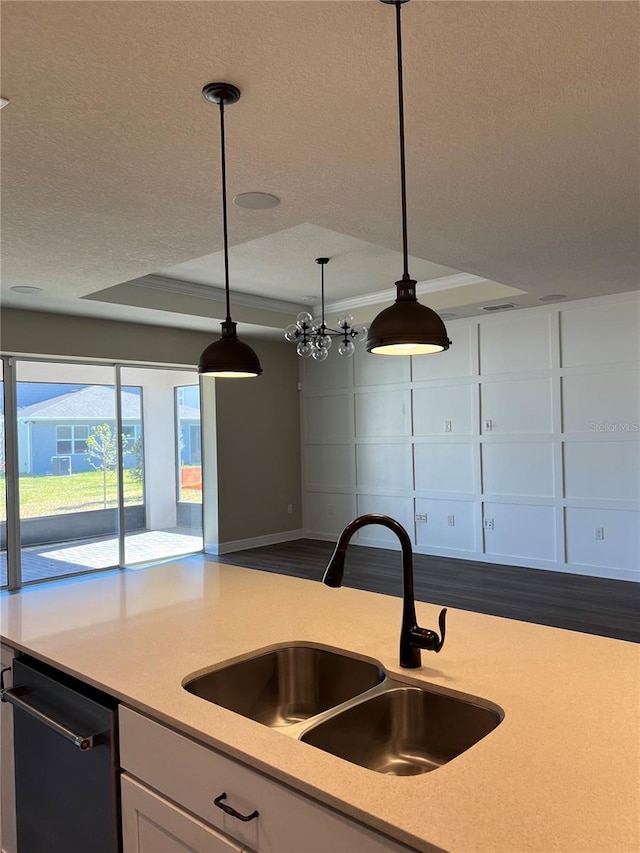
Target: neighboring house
53,433
189,425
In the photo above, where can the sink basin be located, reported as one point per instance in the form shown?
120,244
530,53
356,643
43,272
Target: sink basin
404,731
286,686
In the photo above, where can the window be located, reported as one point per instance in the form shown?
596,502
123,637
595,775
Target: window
71,439
130,433
188,443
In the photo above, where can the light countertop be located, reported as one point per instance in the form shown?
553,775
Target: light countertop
560,773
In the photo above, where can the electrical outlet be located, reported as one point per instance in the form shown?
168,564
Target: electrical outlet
451,521
488,524
600,533
330,510
447,426
290,509
421,516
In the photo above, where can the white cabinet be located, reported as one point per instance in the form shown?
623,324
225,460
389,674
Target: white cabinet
189,777
151,824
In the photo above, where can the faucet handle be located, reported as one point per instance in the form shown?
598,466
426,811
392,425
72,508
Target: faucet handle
425,638
442,624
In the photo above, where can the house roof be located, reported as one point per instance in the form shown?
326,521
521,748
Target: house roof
95,402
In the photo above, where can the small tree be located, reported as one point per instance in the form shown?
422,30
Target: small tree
102,453
137,449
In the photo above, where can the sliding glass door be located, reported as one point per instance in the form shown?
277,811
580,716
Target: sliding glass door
67,463
107,468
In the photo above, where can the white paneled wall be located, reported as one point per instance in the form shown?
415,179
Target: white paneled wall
519,445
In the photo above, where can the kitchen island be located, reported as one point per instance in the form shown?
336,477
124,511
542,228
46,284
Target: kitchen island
560,773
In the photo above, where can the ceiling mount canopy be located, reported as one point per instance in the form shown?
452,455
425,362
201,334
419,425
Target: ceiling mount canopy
227,357
406,327
313,337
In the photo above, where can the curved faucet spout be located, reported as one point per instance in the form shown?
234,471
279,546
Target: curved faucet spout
412,637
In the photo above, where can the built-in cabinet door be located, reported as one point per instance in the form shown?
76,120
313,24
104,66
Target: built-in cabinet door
152,824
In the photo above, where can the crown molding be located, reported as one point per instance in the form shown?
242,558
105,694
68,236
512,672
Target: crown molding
216,294
447,282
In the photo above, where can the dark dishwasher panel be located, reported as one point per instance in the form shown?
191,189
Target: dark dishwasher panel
67,798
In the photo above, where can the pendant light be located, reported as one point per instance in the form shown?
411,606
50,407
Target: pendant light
313,337
227,357
406,327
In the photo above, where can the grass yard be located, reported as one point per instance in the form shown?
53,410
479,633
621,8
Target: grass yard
73,493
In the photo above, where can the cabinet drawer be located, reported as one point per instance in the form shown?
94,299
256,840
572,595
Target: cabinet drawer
193,775
151,824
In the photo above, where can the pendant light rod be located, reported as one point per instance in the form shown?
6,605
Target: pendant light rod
225,223
322,262
403,169
406,327
227,357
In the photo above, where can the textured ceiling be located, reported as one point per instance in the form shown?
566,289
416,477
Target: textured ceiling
522,146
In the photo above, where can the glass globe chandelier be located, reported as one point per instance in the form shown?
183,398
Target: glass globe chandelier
313,338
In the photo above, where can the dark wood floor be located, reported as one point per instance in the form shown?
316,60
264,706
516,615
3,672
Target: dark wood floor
591,605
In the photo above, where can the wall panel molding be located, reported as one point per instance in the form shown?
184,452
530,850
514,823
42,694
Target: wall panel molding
545,442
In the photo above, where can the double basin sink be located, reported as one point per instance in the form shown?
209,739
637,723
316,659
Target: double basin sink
350,708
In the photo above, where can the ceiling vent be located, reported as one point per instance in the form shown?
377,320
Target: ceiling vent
501,307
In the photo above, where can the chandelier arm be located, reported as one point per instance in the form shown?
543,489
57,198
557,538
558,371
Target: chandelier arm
403,173
225,227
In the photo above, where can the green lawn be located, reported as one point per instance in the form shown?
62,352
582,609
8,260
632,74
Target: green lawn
73,493
77,493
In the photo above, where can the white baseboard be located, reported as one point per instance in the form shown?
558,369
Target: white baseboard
254,542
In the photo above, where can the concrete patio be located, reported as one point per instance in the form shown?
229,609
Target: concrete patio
61,559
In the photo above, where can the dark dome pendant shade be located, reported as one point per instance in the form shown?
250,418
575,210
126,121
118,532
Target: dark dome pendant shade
227,357
406,327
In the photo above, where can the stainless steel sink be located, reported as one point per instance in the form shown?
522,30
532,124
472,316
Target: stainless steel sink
285,686
404,731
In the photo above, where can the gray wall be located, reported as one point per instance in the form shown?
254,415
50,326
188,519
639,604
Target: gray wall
40,333
258,427
259,469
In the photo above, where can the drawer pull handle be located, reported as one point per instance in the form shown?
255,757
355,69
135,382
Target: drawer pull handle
228,810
